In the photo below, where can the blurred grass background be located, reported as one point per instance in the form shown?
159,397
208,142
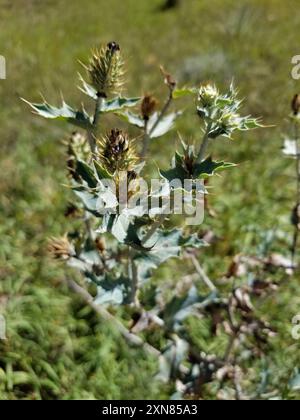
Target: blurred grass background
56,347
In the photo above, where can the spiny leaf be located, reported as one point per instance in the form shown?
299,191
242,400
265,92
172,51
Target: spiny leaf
208,167
165,245
65,113
154,130
165,125
86,173
131,118
117,104
88,89
101,172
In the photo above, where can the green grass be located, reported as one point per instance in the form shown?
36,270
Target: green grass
56,347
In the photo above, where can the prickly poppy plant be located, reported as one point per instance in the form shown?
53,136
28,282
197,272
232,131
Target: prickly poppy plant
127,230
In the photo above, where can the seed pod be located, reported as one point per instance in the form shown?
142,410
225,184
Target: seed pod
72,211
60,248
106,69
116,152
169,79
296,104
148,106
100,245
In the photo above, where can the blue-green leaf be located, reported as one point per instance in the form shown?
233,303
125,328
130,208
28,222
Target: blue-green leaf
64,113
117,104
208,168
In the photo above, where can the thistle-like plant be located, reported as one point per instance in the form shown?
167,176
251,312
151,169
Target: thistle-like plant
119,247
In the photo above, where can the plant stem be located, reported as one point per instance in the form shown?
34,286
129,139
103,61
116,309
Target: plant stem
147,136
134,278
204,145
146,140
202,274
130,337
92,132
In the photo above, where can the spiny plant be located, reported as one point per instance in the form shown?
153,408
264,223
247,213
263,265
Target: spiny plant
118,247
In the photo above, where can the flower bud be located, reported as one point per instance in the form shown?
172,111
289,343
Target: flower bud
106,69
148,106
208,95
117,152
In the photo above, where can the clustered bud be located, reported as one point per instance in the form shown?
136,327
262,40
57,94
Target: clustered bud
60,248
117,152
208,95
106,69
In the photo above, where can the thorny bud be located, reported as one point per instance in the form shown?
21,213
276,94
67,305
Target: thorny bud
61,248
148,106
117,152
230,121
208,94
296,104
106,69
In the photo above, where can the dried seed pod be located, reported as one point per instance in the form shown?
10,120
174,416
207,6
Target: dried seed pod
169,79
296,104
100,245
106,69
72,211
61,248
148,106
116,152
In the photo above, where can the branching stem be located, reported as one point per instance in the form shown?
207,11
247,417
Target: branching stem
204,145
130,337
202,274
148,134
